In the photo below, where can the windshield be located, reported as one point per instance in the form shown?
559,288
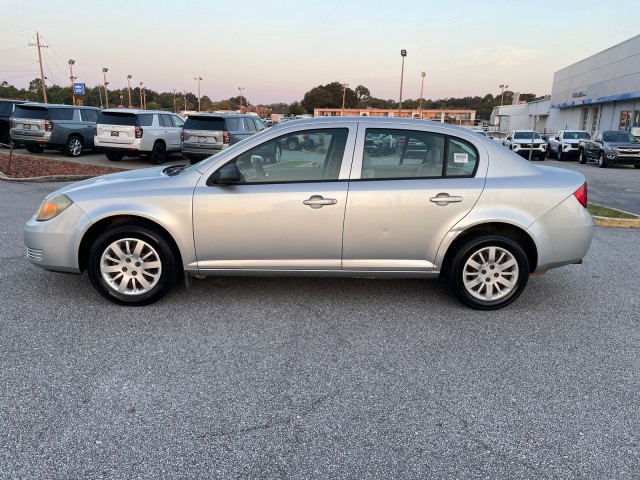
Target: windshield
618,137
576,135
527,135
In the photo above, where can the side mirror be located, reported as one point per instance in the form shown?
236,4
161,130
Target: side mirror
229,174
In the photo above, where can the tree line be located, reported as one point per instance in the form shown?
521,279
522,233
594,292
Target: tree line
331,95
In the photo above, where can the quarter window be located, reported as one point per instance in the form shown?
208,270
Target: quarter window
145,119
89,115
61,114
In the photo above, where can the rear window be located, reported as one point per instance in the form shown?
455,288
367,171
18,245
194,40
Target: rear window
34,113
116,118
204,123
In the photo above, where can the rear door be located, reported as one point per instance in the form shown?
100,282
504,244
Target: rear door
116,128
403,200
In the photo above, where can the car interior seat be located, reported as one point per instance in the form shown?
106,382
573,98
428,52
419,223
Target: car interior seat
432,164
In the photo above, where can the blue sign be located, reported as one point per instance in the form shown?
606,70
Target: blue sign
78,88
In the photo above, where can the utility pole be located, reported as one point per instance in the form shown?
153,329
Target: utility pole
106,93
39,45
423,74
72,78
175,109
129,86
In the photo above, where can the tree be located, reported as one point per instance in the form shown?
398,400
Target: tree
296,109
329,96
363,94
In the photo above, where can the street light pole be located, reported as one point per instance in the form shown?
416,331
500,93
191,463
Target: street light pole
141,105
129,86
198,80
106,94
344,94
175,109
403,53
241,89
72,78
502,95
423,74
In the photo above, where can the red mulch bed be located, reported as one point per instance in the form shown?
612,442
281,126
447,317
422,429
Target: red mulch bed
25,166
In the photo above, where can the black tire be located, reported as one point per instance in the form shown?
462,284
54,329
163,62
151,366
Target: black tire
35,149
74,146
460,272
158,154
123,255
193,159
582,157
293,144
550,153
6,140
602,163
114,157
542,157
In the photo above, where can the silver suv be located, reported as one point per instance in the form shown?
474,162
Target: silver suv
208,133
39,126
125,132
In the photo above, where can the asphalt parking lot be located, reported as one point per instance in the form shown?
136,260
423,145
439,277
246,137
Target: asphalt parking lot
319,378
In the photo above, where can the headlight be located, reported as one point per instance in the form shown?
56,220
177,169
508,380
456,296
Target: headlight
611,149
52,207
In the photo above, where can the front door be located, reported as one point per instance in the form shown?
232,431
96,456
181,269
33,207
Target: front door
282,216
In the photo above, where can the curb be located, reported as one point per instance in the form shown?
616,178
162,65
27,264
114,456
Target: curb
616,222
49,178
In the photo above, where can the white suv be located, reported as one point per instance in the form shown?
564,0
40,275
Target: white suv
125,132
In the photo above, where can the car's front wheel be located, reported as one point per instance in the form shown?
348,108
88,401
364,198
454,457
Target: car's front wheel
488,272
114,157
132,265
581,157
35,149
602,163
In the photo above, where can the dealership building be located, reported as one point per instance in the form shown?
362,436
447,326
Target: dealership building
601,92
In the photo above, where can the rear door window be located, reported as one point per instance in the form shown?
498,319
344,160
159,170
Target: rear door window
61,114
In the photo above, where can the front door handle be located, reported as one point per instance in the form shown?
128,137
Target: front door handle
444,199
318,201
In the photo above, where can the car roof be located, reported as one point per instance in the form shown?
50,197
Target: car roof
134,111
222,115
55,105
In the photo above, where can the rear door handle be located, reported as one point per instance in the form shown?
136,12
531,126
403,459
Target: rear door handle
444,199
318,201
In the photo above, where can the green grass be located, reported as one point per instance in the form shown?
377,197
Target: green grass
600,211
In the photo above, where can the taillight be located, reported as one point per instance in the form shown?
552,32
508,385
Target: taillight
581,195
48,126
138,132
226,137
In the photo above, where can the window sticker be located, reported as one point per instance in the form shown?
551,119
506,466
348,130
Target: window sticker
460,158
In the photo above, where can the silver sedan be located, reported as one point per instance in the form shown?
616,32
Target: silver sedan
437,201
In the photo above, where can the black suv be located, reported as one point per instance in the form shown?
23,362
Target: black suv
208,133
69,128
6,110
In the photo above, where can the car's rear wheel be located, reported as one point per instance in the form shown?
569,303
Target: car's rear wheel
581,157
488,272
114,157
158,154
602,163
293,144
35,149
74,147
132,265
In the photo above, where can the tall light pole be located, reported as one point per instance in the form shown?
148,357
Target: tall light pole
175,109
129,86
106,93
403,53
141,96
72,78
502,95
344,94
184,97
198,80
240,89
423,74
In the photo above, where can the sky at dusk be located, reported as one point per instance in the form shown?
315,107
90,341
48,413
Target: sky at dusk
277,50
